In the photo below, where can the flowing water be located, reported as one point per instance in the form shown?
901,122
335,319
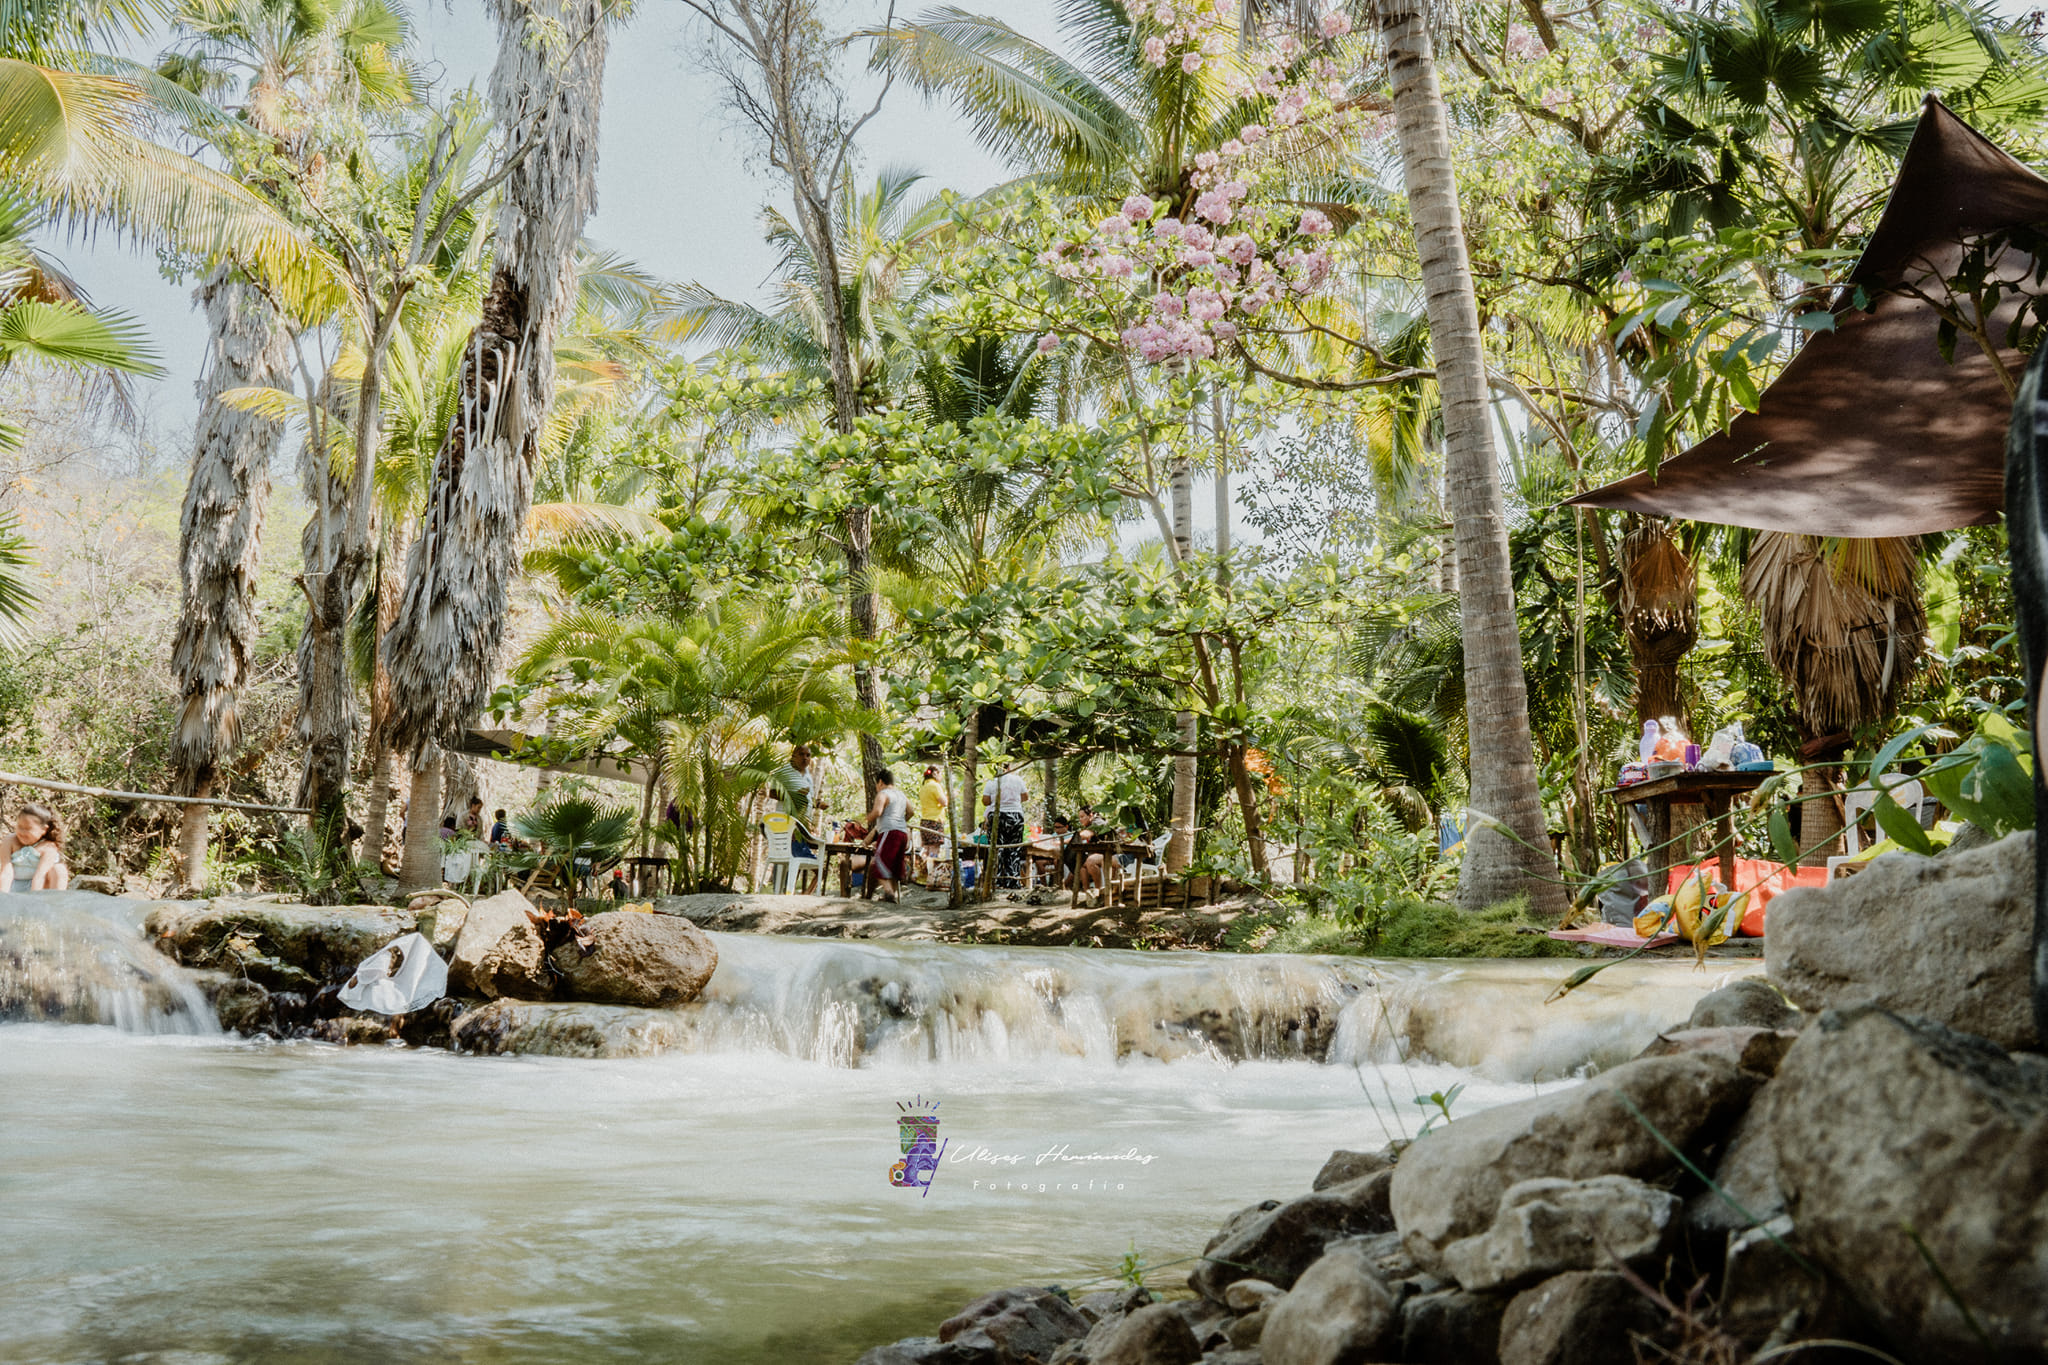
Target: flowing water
169,1196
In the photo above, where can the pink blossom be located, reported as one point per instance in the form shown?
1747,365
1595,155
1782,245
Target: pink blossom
1523,42
1166,229
1314,223
1116,267
1232,148
1648,33
1225,273
1114,226
1555,99
1335,90
1198,237
1252,134
1336,24
1198,259
1206,161
1240,247
1191,62
1225,330
1214,45
1205,305
1215,206
1048,343
1138,208
1155,51
1167,304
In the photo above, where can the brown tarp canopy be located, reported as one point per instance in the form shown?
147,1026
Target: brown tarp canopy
1869,432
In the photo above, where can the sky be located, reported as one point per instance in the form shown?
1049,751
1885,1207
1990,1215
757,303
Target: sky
680,186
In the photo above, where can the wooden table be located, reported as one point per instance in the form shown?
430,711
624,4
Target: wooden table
638,868
1715,791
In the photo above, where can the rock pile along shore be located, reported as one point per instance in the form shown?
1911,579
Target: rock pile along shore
1855,1151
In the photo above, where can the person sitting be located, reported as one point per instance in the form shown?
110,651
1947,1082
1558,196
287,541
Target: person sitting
616,887
448,830
34,853
890,823
473,818
854,864
501,833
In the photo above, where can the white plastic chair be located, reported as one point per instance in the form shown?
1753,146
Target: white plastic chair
1907,791
785,864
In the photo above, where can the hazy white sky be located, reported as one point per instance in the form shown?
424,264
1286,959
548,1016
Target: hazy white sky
679,185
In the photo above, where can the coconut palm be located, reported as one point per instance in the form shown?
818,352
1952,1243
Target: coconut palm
443,649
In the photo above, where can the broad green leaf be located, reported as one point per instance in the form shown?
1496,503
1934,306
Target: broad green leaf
1900,825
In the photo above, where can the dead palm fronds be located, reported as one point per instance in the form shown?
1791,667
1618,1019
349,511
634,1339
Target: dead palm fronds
1660,613
1843,622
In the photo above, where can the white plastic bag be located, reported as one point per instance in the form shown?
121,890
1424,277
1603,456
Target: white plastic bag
398,978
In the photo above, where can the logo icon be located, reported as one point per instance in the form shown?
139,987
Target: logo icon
917,1131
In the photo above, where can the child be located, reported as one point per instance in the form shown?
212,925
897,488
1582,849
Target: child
34,853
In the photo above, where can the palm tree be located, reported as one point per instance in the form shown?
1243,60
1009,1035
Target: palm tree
303,66
708,700
443,649
1504,780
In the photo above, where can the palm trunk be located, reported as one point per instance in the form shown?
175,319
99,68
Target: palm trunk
422,866
1180,850
1503,765
443,650
334,548
220,534
383,763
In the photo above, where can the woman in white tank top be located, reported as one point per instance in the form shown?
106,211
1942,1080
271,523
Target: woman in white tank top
889,826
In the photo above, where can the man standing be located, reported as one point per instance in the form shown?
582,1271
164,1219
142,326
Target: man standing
1006,793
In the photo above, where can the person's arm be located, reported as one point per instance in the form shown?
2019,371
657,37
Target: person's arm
46,869
7,866
874,818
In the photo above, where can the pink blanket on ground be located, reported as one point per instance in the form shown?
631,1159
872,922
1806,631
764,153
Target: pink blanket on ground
1611,936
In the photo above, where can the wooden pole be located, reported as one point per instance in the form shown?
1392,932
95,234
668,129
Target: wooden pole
105,794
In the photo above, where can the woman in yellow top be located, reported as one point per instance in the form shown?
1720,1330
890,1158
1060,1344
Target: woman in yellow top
931,819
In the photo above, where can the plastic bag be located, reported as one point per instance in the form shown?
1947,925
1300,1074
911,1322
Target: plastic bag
1720,754
398,978
1620,903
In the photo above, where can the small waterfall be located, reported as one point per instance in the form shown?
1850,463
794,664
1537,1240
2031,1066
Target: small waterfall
845,1003
73,957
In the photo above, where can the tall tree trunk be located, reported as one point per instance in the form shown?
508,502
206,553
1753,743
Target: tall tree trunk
1504,785
546,90
1180,849
421,868
383,763
333,546
220,543
863,611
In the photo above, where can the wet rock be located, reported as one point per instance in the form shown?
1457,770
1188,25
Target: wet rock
1245,1332
1452,1327
1338,1313
1586,1317
1343,1166
1209,1322
438,919
1157,1334
1751,1002
1949,939
1279,1244
1547,1226
568,1030
85,971
636,959
1755,1050
280,946
499,952
1882,1122
1388,1254
244,1007
1246,1295
1449,1183
433,1025
1018,1326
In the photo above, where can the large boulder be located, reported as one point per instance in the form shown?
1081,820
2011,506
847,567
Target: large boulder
499,952
1547,1226
1449,1184
1340,1312
1949,939
1584,1317
1154,1335
1278,1244
279,946
637,959
569,1030
1345,1165
1452,1327
1903,1146
1020,1326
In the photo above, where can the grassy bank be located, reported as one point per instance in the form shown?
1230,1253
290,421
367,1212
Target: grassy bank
1419,929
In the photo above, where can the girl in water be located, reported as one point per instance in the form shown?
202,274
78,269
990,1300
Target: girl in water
34,853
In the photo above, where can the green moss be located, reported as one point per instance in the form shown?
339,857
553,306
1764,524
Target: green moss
1423,929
